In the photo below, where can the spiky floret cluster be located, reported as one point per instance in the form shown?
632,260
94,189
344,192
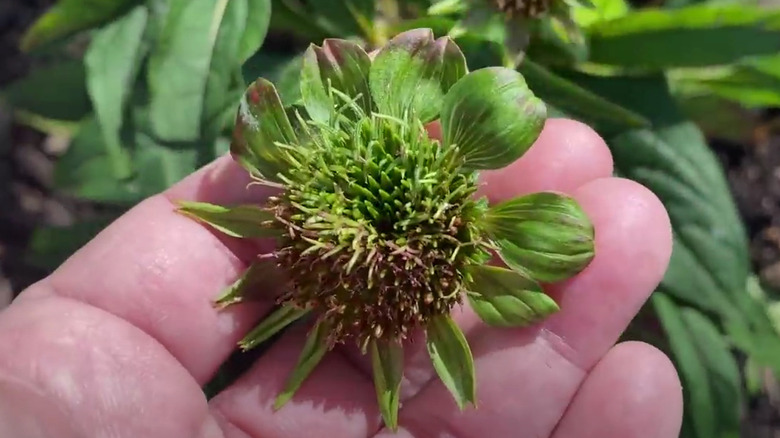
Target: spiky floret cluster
379,224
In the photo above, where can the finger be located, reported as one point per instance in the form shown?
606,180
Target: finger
160,271
336,400
567,155
526,377
633,391
70,370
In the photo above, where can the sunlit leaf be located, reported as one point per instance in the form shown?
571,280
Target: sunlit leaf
387,360
243,221
313,351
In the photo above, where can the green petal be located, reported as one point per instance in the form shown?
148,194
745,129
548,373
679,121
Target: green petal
262,278
452,359
243,221
341,65
412,73
261,125
313,351
271,325
492,117
545,236
504,298
387,359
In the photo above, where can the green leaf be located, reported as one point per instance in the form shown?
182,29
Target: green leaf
68,17
604,10
243,221
313,351
261,123
452,359
258,19
387,359
504,298
346,17
492,117
159,166
281,69
261,279
577,101
711,381
412,73
748,84
85,170
49,247
339,65
57,91
545,236
112,63
179,67
271,325
698,35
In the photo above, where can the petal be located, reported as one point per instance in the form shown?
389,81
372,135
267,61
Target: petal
243,221
271,325
545,236
253,284
412,73
452,359
313,351
261,124
387,359
504,298
338,64
492,117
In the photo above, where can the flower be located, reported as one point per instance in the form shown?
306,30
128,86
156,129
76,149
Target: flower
378,228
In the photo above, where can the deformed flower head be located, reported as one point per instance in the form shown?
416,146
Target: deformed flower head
379,231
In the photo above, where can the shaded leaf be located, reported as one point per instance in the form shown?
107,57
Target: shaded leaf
346,17
699,35
545,236
282,69
49,247
262,278
492,117
270,325
261,123
243,221
387,359
313,351
179,67
504,298
67,17
577,101
452,359
413,72
112,63
339,65
65,98
258,19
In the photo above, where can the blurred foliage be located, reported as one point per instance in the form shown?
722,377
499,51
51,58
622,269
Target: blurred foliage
152,98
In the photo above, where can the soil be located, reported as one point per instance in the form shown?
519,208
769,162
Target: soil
27,199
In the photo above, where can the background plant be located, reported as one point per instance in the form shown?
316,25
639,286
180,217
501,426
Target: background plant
147,91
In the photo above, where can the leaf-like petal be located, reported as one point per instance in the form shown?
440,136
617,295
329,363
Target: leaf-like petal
341,65
313,351
262,278
452,359
261,125
387,359
545,236
243,221
271,325
492,117
413,72
504,298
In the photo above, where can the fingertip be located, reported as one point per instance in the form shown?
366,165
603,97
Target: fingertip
566,155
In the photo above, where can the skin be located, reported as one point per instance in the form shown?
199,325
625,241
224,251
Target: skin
118,341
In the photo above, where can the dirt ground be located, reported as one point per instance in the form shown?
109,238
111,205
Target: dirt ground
27,199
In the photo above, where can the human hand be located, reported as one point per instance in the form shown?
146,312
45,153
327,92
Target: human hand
119,340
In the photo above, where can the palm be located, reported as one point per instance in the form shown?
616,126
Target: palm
120,339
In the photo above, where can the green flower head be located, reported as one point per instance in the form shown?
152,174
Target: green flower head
378,227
